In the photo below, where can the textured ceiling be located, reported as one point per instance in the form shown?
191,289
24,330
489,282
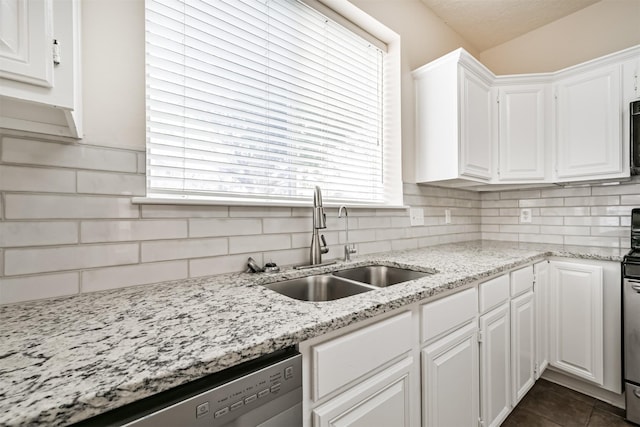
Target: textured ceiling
488,23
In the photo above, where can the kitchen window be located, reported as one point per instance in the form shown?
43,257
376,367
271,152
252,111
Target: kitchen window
258,101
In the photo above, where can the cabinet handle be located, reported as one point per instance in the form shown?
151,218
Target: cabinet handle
636,288
637,392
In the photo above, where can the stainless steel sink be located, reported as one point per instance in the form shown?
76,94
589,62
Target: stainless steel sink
318,288
380,275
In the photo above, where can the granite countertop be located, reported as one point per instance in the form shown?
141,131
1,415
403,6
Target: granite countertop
67,359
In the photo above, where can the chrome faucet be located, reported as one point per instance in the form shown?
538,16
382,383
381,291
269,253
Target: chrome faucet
348,248
319,222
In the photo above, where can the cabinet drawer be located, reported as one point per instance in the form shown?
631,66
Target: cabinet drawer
448,313
521,280
494,292
347,358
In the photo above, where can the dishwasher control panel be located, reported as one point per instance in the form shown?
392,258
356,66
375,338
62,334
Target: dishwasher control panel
236,399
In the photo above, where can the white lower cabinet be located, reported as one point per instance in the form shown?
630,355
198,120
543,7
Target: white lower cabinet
522,346
495,372
467,359
577,320
450,379
382,400
541,273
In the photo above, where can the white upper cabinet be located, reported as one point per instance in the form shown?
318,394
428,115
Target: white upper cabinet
588,125
474,128
523,136
26,38
39,92
453,119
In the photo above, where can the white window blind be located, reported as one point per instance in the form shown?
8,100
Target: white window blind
261,100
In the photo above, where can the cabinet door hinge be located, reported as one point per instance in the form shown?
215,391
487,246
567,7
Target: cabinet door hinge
56,52
480,422
480,336
535,370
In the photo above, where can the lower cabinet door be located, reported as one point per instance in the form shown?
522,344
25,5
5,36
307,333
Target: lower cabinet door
523,356
450,380
495,366
380,401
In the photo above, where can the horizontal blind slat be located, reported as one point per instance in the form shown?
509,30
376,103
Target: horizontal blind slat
260,99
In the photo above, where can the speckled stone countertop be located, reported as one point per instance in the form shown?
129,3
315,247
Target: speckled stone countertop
67,359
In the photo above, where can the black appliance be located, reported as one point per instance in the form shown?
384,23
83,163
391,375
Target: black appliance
635,137
631,320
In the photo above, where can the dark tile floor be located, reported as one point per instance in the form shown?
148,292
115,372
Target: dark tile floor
550,405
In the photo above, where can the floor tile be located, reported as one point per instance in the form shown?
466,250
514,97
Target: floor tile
602,418
522,417
562,407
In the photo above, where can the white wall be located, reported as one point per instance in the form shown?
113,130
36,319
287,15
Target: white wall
602,28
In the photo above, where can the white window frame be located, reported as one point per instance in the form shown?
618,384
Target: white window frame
392,135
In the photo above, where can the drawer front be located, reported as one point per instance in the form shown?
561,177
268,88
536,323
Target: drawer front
347,358
521,280
448,313
493,293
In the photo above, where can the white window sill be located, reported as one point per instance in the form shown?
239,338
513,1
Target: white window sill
266,203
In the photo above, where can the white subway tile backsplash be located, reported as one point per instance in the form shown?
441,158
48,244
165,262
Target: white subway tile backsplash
404,244
184,211
374,247
224,227
22,206
131,275
535,203
610,231
18,178
520,228
287,225
40,260
122,231
611,242
541,238
31,233
111,183
177,241
265,242
630,200
571,211
611,210
141,163
608,190
26,151
259,211
391,233
593,220
564,230
165,250
19,289
222,264
592,201
374,222
565,192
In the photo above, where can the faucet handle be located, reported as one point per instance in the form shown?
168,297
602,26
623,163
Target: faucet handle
324,249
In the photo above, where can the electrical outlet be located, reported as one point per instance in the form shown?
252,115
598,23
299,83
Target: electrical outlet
525,215
447,216
416,216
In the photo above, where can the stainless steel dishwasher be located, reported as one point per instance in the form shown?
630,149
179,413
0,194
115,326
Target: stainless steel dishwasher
266,392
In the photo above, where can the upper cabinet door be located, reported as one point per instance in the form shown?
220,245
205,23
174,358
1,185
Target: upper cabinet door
522,132
26,41
588,122
475,126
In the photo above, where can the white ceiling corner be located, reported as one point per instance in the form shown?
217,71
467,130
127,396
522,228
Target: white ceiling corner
488,23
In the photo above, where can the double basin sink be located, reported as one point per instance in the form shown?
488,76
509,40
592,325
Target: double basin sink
344,283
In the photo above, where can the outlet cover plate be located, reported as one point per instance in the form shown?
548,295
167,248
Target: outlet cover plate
416,216
525,216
